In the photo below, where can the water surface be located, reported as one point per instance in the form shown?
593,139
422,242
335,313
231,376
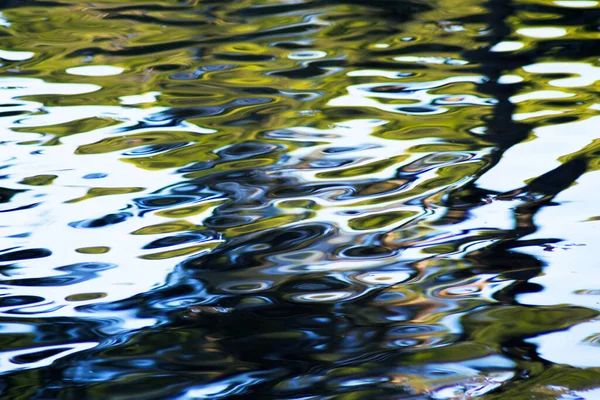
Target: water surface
297,199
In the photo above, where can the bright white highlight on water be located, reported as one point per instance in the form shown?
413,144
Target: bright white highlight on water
576,4
3,21
415,96
383,277
133,276
379,72
507,46
539,95
95,70
533,158
542,33
7,362
509,79
307,55
571,272
16,55
431,60
588,74
535,114
570,346
149,97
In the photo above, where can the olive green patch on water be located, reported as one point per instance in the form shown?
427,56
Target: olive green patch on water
85,296
455,352
254,163
183,212
553,382
180,252
493,324
266,223
382,220
98,192
380,188
167,227
39,180
228,166
135,140
93,250
69,128
280,335
369,169
303,204
29,142
441,249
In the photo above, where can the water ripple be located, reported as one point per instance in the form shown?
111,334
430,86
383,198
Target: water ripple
298,199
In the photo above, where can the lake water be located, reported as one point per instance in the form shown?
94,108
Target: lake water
299,199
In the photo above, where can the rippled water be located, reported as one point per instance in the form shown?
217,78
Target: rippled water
299,199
